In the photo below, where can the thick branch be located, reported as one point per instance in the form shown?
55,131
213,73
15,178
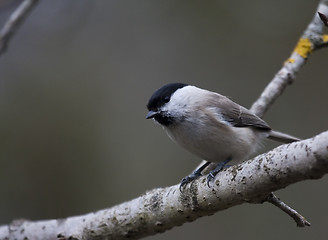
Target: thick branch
14,22
161,209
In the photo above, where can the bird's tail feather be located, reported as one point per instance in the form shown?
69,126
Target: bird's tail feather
282,137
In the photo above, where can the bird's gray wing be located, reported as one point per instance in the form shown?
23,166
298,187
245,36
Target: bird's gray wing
236,115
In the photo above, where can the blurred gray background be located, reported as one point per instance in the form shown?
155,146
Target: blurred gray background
75,81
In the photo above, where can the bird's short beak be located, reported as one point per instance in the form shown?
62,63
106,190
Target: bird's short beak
151,114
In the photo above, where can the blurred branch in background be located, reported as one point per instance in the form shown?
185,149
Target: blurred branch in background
164,208
14,22
312,39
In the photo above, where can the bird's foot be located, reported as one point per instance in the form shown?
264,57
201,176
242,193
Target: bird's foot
191,177
218,168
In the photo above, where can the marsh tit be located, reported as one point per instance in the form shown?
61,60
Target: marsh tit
209,125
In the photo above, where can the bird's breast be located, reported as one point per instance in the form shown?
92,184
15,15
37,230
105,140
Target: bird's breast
215,142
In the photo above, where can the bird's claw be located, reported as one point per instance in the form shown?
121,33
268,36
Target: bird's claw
189,179
213,173
210,178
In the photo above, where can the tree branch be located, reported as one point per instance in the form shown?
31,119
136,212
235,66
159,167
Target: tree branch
298,218
312,39
163,208
14,22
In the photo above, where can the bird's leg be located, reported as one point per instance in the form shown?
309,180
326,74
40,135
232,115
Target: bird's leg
218,168
195,174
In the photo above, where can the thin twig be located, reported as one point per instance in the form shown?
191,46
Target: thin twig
14,22
299,219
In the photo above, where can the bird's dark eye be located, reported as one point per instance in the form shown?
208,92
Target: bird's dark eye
166,99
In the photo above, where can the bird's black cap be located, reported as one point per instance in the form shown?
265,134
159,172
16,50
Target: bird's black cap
163,95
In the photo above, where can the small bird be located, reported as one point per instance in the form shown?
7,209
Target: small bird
209,125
